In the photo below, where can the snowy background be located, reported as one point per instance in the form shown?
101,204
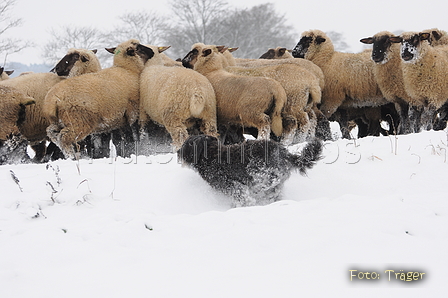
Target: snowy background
148,227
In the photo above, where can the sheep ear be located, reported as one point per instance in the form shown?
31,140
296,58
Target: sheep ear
320,40
9,72
282,51
221,49
111,50
206,52
395,39
163,49
231,50
268,55
94,51
368,40
424,36
436,35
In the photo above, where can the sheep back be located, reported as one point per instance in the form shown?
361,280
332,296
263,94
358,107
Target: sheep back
95,102
35,85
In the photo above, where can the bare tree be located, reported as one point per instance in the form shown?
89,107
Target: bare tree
254,30
7,22
67,37
194,21
149,28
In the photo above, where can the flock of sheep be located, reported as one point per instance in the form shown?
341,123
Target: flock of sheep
288,96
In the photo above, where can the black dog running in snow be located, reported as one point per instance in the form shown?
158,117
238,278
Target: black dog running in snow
252,172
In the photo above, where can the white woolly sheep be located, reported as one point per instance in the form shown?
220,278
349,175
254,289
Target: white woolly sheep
97,102
37,85
425,72
241,100
12,113
176,97
302,91
349,80
306,64
322,127
388,74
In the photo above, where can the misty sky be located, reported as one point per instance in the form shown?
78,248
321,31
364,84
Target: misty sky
354,19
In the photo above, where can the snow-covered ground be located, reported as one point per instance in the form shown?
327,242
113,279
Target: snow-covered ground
148,227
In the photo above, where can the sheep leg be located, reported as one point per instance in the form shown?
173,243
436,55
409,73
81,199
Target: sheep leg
123,139
53,152
442,117
68,141
343,123
415,114
39,150
404,126
428,117
304,126
179,134
313,124
289,124
100,145
323,130
209,128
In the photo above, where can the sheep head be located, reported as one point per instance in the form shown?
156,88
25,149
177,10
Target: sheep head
130,50
310,39
270,54
190,59
198,50
382,46
438,37
75,62
412,44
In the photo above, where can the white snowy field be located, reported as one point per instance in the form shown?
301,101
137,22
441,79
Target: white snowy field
149,227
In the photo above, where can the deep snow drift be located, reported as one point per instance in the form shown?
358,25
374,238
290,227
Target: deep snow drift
148,227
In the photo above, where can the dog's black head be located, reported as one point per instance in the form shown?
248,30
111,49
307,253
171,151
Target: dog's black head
195,147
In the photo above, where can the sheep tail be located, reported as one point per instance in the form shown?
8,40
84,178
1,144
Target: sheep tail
197,104
50,108
308,157
276,115
315,94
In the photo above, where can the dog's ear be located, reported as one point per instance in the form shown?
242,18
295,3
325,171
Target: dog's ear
195,149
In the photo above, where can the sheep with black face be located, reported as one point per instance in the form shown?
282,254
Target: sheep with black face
77,62
37,85
389,75
425,72
177,98
240,100
97,102
349,79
